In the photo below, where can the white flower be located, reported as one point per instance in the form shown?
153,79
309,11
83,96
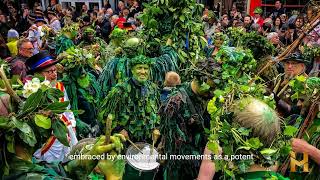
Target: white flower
35,80
33,86
46,83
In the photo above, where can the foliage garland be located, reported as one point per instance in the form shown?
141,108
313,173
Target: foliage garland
178,22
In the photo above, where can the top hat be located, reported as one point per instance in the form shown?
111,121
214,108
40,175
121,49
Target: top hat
296,57
40,61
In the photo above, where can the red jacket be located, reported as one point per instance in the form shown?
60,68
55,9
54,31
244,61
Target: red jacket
120,22
260,21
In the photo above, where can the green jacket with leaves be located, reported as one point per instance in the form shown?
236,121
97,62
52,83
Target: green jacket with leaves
135,108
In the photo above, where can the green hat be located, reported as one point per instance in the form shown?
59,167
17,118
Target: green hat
296,57
140,59
89,31
258,10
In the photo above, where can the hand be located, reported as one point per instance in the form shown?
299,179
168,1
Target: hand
25,13
101,147
124,133
299,145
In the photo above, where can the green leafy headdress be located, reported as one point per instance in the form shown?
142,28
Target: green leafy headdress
140,59
89,31
311,52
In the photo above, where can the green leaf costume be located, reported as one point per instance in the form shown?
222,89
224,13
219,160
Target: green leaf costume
183,118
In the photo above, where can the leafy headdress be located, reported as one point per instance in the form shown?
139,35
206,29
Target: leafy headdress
140,59
222,36
311,52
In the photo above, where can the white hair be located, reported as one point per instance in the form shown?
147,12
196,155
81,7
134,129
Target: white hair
115,17
271,35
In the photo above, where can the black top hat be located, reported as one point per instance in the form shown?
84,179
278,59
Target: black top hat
40,61
296,57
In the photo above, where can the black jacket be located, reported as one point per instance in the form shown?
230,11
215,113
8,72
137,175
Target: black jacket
106,29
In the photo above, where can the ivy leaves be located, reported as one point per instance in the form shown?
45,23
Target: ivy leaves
179,21
42,121
305,87
38,114
25,132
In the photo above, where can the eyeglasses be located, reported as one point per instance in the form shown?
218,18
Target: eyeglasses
29,49
51,71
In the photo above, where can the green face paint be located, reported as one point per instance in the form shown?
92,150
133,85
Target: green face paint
141,72
218,42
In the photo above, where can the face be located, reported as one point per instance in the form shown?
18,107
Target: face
39,23
125,12
299,23
256,15
53,2
84,7
275,39
218,42
141,72
109,11
277,5
225,20
2,19
247,20
26,49
277,22
293,68
121,5
50,73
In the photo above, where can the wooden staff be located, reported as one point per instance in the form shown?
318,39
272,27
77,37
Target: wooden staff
108,127
307,29
8,87
306,123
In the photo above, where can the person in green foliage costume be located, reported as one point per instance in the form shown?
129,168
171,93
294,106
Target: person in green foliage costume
117,69
66,38
264,124
183,119
22,166
82,88
134,102
219,39
27,127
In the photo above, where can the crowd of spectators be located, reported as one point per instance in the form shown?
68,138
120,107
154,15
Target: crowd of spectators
279,26
17,21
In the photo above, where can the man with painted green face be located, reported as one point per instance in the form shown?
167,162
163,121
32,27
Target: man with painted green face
134,102
218,40
140,73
